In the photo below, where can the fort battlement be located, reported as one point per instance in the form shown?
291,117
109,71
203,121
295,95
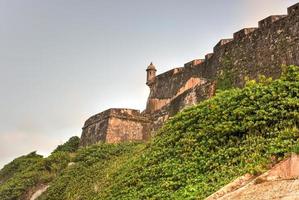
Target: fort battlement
125,113
115,125
274,35
243,32
294,9
249,53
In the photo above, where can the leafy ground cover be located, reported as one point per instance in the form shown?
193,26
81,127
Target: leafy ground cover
27,172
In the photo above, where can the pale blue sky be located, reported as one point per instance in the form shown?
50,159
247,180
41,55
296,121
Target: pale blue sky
62,61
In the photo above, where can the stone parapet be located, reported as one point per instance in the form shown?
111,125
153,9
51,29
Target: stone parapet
115,125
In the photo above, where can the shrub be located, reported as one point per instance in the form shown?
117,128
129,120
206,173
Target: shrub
19,175
71,145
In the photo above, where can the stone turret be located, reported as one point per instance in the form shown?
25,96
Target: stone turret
150,74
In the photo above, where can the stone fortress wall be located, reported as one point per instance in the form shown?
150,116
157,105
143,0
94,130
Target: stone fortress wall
115,125
251,52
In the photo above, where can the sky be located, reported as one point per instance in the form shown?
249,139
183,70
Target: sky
62,61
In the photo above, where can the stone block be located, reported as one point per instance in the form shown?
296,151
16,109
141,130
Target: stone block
270,20
294,9
243,32
221,43
194,62
208,56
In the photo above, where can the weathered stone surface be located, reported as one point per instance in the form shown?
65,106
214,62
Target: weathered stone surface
221,43
262,51
208,56
194,62
39,192
115,125
231,187
269,20
294,9
126,129
189,97
280,182
154,104
242,33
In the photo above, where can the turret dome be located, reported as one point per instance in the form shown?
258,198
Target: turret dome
151,67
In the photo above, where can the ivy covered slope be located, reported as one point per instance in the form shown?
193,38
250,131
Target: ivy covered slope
196,152
25,174
71,172
91,172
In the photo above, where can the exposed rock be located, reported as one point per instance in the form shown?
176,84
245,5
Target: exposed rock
39,192
236,184
280,182
70,164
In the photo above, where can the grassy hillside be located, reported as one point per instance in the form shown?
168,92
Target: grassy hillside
195,153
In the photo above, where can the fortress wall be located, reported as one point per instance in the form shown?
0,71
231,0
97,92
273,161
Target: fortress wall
251,52
166,84
115,125
255,51
188,98
94,132
95,129
155,104
171,84
120,130
191,97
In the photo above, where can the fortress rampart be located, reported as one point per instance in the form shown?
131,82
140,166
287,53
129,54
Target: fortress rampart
115,125
251,52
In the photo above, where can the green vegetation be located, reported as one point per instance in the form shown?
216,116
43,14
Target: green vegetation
91,172
28,172
226,76
193,155
21,174
70,146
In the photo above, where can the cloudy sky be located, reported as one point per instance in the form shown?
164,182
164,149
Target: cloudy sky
62,61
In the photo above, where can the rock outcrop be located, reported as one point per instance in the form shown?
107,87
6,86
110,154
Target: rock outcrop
280,182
